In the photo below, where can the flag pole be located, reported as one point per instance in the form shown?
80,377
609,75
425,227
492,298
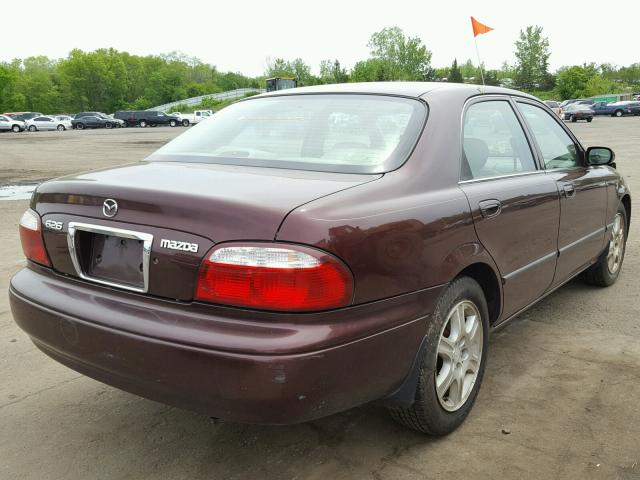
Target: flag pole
475,40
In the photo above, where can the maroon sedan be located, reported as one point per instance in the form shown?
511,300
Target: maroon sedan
307,251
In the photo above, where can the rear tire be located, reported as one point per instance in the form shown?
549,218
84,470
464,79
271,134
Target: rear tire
574,119
606,270
143,123
173,123
455,350
589,120
15,129
61,128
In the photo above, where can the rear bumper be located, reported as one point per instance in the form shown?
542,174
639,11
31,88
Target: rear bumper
242,366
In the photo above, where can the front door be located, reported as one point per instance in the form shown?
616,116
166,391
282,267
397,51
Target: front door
514,203
583,201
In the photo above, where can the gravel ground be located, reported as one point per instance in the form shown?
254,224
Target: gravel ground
559,399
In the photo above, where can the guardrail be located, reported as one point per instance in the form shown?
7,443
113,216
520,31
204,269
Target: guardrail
238,93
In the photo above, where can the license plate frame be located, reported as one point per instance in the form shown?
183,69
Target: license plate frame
147,241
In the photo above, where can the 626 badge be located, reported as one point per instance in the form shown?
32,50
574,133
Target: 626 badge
53,225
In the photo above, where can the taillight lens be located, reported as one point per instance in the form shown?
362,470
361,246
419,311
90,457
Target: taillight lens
283,278
31,238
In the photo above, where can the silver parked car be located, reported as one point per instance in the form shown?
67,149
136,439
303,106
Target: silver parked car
47,123
11,124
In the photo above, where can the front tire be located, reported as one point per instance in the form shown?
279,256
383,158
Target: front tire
80,126
143,123
108,125
573,119
185,123
606,270
173,123
589,120
453,365
15,129
618,113
61,128
32,128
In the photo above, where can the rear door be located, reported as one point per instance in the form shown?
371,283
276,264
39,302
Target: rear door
514,203
43,123
583,198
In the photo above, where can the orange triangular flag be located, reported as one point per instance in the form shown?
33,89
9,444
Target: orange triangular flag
479,28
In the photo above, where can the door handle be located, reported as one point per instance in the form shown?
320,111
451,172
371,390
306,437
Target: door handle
490,208
569,190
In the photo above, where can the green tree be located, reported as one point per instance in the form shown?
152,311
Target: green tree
532,60
455,75
371,70
470,72
597,85
491,78
295,68
572,82
332,72
11,98
404,58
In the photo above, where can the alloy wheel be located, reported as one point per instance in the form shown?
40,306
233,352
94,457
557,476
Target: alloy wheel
616,245
459,355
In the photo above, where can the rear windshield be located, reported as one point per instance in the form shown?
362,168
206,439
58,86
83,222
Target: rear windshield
334,133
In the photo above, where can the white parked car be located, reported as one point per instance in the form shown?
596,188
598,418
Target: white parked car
48,123
193,118
11,124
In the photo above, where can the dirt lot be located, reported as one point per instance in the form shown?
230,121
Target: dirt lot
564,379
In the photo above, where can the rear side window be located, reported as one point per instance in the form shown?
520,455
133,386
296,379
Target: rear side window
336,133
494,142
558,149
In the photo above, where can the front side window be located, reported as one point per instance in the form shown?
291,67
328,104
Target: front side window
494,142
558,148
336,133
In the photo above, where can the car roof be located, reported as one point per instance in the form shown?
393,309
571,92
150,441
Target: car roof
407,89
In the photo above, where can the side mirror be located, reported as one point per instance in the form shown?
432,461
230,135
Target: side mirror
600,156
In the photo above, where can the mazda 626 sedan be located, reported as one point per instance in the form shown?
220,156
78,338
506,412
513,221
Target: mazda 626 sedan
310,250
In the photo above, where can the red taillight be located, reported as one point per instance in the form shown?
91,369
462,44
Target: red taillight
31,238
284,278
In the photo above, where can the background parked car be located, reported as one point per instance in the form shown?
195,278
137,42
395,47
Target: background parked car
114,123
625,108
63,117
93,121
145,118
8,124
603,108
47,123
192,118
24,115
578,111
553,105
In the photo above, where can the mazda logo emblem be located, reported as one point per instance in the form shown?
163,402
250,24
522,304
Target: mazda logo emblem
110,207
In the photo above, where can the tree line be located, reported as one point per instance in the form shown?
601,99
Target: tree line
109,80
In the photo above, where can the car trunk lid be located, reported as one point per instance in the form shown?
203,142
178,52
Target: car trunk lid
186,208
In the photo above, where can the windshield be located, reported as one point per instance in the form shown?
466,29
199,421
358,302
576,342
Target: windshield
336,133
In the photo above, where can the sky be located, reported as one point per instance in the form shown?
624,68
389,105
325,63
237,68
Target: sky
241,36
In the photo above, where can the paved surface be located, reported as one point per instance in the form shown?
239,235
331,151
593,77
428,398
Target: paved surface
564,379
